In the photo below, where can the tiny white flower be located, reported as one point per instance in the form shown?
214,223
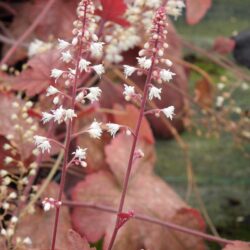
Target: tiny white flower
144,62
66,56
219,101
166,75
42,143
46,117
46,206
13,195
128,70
56,100
96,49
69,114
154,93
14,219
95,130
51,90
99,69
3,232
5,205
80,153
168,112
56,73
221,85
80,97
58,114
7,146
83,65
129,92
8,160
94,94
3,172
62,44
27,241
113,128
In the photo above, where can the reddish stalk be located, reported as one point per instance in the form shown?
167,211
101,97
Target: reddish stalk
69,132
135,139
39,18
150,219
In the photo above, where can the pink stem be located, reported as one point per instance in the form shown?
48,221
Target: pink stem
151,220
27,32
135,139
68,139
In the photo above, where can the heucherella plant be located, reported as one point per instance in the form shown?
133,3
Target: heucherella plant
150,63
75,54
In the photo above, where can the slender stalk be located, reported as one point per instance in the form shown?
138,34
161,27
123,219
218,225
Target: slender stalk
135,139
69,132
150,219
38,19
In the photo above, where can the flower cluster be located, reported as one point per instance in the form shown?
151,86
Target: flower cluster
50,203
80,156
151,61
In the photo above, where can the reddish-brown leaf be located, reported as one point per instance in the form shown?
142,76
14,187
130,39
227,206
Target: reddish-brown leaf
196,10
223,45
113,11
147,194
36,78
39,226
130,117
118,162
237,245
57,22
76,242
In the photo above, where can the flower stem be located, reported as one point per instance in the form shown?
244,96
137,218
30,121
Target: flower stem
69,132
150,219
135,139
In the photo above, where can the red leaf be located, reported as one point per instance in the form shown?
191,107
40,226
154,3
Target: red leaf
223,45
36,78
118,162
113,11
76,242
39,225
196,10
237,245
130,117
147,194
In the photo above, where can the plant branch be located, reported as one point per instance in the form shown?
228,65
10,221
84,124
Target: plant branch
150,219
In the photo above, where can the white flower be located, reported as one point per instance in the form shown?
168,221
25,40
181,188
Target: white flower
96,49
66,56
219,101
8,160
51,90
56,73
94,94
113,128
166,75
129,92
69,114
99,69
154,92
3,172
34,47
80,153
58,114
83,65
27,241
95,130
168,112
144,62
42,143
62,44
80,97
128,70
46,117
